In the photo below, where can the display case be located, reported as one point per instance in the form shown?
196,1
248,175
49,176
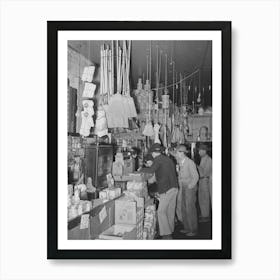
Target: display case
98,163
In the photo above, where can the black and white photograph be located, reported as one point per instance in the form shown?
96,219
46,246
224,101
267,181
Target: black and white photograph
140,113
139,139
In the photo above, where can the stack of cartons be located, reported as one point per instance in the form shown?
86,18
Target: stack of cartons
129,214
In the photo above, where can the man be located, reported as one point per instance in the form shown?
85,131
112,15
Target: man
152,186
205,183
186,199
167,187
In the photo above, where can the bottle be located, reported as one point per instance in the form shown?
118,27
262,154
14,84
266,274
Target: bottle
90,187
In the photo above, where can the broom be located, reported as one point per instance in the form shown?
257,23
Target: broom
156,125
148,129
131,105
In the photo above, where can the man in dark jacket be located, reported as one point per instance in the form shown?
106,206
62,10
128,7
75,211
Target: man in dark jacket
165,172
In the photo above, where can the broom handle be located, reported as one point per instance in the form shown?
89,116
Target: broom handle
160,53
101,73
147,66
123,68
166,72
105,71
117,58
128,67
121,73
112,62
150,72
181,90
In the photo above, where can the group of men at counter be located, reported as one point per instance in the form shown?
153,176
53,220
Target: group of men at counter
179,183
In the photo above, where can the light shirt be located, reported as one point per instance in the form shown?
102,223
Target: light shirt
188,175
205,167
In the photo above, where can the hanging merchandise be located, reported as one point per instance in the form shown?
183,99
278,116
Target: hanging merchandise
115,111
88,107
156,132
139,85
88,111
199,91
89,90
156,119
128,100
148,130
165,101
101,128
178,130
164,131
88,74
87,124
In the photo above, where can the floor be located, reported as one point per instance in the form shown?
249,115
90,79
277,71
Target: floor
204,231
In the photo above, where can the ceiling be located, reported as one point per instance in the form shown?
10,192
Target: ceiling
187,55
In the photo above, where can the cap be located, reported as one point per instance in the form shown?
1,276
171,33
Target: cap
148,157
155,148
182,148
203,147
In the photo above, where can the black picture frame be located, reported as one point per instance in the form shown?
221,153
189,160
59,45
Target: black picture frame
52,103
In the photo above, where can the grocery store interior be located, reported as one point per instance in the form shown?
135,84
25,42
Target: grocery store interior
139,123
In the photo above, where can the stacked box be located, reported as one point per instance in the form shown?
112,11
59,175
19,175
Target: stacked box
149,222
108,194
138,188
139,230
127,212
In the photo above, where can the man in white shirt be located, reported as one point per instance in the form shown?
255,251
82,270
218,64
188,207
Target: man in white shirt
186,199
205,183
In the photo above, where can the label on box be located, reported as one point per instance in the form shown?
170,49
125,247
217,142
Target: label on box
102,215
84,221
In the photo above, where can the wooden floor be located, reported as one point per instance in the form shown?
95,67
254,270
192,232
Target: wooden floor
204,231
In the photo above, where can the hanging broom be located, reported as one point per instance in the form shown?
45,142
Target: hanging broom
148,129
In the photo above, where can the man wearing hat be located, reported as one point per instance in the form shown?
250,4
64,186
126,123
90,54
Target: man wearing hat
167,186
186,199
205,183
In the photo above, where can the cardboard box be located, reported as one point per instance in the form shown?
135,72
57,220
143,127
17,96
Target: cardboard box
119,232
129,166
117,169
125,212
99,222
